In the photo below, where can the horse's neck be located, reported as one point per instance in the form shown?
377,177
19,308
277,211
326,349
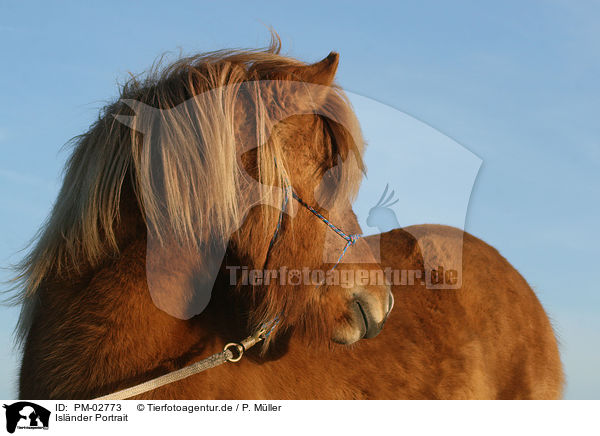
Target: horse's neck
104,332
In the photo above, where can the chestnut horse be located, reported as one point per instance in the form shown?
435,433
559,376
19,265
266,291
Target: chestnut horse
89,325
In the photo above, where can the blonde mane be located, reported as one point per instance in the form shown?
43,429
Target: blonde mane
199,190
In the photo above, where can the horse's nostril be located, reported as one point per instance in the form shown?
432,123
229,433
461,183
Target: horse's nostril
363,316
372,324
370,312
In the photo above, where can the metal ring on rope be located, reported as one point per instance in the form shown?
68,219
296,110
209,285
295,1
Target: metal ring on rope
238,347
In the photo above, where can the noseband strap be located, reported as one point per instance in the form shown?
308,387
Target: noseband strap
350,238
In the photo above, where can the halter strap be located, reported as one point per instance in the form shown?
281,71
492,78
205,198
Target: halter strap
284,203
350,239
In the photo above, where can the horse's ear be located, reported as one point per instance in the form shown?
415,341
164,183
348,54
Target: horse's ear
319,73
290,87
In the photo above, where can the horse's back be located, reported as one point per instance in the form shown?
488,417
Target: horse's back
487,338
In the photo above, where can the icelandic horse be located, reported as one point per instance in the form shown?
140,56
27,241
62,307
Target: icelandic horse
89,325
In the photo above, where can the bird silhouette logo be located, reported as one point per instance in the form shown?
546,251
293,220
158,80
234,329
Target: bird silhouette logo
382,215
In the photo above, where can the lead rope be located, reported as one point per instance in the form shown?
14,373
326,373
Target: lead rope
227,355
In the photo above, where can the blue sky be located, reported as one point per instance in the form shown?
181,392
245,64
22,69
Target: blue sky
514,82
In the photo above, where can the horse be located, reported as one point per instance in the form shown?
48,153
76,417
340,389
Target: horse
89,324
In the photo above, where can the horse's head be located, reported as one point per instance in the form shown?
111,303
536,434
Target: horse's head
227,139
312,155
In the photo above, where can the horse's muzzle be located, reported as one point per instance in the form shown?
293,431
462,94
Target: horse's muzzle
368,317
